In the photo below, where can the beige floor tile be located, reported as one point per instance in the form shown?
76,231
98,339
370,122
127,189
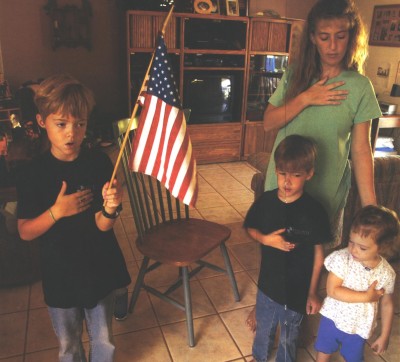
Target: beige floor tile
49,355
204,186
235,322
126,248
248,254
14,359
303,356
162,276
143,317
167,313
40,334
213,342
220,292
131,236
254,273
242,209
126,208
211,199
229,186
144,346
12,334
221,215
238,196
37,298
14,299
238,235
216,258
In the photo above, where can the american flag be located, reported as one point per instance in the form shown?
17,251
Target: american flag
161,147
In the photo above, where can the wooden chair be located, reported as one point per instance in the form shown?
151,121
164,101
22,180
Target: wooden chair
167,235
390,121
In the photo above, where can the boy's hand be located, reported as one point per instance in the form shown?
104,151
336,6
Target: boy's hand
373,294
72,204
276,240
380,345
313,304
112,196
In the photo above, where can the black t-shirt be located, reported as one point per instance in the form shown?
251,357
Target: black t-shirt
285,276
80,263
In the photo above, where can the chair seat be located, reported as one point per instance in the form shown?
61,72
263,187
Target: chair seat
182,242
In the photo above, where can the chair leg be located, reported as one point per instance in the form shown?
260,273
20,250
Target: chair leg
188,305
229,270
139,282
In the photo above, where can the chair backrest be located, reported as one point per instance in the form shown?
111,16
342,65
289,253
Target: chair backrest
151,203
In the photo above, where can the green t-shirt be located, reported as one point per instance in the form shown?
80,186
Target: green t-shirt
330,127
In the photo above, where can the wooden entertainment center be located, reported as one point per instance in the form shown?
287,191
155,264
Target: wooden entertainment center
248,54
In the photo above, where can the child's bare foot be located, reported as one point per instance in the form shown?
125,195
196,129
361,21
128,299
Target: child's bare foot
251,322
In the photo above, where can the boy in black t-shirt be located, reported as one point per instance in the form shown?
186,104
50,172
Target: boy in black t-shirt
65,201
290,226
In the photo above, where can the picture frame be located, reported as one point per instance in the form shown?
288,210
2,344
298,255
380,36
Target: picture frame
215,7
232,7
385,26
206,6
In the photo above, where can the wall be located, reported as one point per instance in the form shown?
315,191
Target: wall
25,33
380,55
286,8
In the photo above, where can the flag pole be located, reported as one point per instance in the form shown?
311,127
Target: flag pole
117,162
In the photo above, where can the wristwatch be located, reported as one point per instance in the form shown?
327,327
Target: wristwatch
114,215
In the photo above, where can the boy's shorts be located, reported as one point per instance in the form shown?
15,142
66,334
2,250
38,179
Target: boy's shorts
330,339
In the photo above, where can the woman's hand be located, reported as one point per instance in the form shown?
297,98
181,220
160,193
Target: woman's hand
319,94
322,94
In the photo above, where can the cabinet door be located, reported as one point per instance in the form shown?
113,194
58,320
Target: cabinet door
144,28
257,140
268,36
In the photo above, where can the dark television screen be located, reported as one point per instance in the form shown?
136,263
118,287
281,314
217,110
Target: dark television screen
210,97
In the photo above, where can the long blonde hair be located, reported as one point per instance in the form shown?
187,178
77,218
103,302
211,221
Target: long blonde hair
307,67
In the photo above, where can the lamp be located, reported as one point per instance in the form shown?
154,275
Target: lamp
395,92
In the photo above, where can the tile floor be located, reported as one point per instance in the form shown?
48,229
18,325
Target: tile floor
156,331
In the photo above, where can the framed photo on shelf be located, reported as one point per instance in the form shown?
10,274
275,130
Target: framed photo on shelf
215,7
385,26
232,7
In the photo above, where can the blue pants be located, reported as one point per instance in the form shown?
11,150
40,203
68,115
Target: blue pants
268,315
68,325
330,339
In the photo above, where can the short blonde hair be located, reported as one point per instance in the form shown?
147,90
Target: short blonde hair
63,93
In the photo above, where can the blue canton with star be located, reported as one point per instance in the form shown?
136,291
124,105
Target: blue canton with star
162,80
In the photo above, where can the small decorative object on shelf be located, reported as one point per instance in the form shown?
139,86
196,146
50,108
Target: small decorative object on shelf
70,24
232,7
202,6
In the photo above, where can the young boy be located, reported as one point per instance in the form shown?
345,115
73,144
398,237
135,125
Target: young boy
358,278
60,201
290,226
